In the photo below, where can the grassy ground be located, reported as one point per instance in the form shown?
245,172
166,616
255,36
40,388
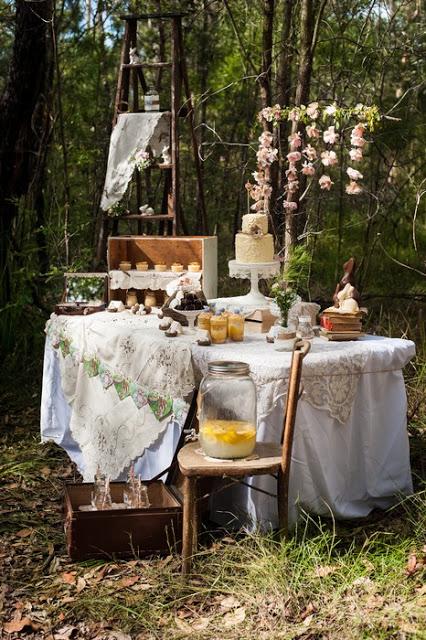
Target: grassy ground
331,581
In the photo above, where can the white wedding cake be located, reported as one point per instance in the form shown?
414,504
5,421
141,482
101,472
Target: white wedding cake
253,244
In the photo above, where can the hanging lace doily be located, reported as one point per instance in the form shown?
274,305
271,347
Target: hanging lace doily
150,279
264,270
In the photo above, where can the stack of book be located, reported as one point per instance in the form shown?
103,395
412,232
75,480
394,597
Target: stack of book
341,326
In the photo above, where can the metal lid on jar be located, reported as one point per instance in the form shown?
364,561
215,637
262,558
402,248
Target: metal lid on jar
229,367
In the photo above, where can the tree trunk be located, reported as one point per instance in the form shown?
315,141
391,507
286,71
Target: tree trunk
20,122
309,26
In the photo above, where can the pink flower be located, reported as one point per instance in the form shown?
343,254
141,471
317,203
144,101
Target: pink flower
294,156
258,206
291,206
354,174
277,111
266,138
330,136
310,152
291,174
259,176
358,130
294,115
331,110
308,169
353,188
328,158
312,110
355,155
295,140
293,186
266,114
357,141
325,182
312,131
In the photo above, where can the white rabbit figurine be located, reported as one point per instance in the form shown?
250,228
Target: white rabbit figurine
134,57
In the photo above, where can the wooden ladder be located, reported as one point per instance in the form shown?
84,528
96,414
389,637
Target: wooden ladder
131,76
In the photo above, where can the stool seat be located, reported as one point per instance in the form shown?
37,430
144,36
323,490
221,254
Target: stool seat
266,458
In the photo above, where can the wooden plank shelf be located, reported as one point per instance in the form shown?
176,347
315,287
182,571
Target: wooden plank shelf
148,65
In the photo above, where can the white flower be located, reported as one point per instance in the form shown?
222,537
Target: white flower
357,141
355,155
331,109
308,169
328,158
354,174
312,110
310,152
353,188
330,136
325,182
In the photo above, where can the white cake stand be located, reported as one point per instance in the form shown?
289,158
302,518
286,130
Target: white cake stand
253,300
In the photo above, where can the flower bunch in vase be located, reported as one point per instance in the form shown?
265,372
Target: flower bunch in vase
290,282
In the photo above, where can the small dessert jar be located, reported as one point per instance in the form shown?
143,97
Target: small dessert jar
203,320
227,425
150,299
236,326
124,265
131,298
142,266
304,328
218,328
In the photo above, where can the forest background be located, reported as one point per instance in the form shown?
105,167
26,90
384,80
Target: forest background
58,71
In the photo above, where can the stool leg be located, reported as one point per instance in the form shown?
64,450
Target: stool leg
189,485
282,499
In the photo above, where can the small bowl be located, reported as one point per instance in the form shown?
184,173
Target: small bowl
194,266
142,266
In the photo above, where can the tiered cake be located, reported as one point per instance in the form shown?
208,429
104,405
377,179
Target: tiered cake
253,244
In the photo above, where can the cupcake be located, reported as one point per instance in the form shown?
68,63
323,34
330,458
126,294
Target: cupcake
177,267
142,266
160,267
194,266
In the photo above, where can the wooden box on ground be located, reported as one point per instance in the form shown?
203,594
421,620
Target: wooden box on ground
168,249
122,532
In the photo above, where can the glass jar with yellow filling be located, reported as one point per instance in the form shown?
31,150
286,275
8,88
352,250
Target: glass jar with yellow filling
218,328
236,326
203,320
227,424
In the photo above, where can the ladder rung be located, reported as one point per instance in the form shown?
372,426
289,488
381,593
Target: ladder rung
150,65
140,216
147,16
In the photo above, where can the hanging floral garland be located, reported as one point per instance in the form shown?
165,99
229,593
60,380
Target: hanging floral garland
310,150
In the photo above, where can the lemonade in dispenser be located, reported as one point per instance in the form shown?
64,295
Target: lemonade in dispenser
227,410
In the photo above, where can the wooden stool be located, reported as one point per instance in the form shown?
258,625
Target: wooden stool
269,459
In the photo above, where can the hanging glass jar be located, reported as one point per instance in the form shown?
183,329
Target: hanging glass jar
227,410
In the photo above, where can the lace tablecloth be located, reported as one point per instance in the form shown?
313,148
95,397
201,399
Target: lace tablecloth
114,388
150,279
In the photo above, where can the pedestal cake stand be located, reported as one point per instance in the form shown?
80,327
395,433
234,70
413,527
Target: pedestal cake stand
254,299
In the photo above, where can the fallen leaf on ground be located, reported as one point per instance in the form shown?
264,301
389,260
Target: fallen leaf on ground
127,582
182,625
68,578
230,603
24,533
228,540
411,564
323,570
65,633
232,618
17,625
201,623
81,583
310,609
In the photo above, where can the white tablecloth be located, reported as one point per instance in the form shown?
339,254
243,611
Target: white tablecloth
351,447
